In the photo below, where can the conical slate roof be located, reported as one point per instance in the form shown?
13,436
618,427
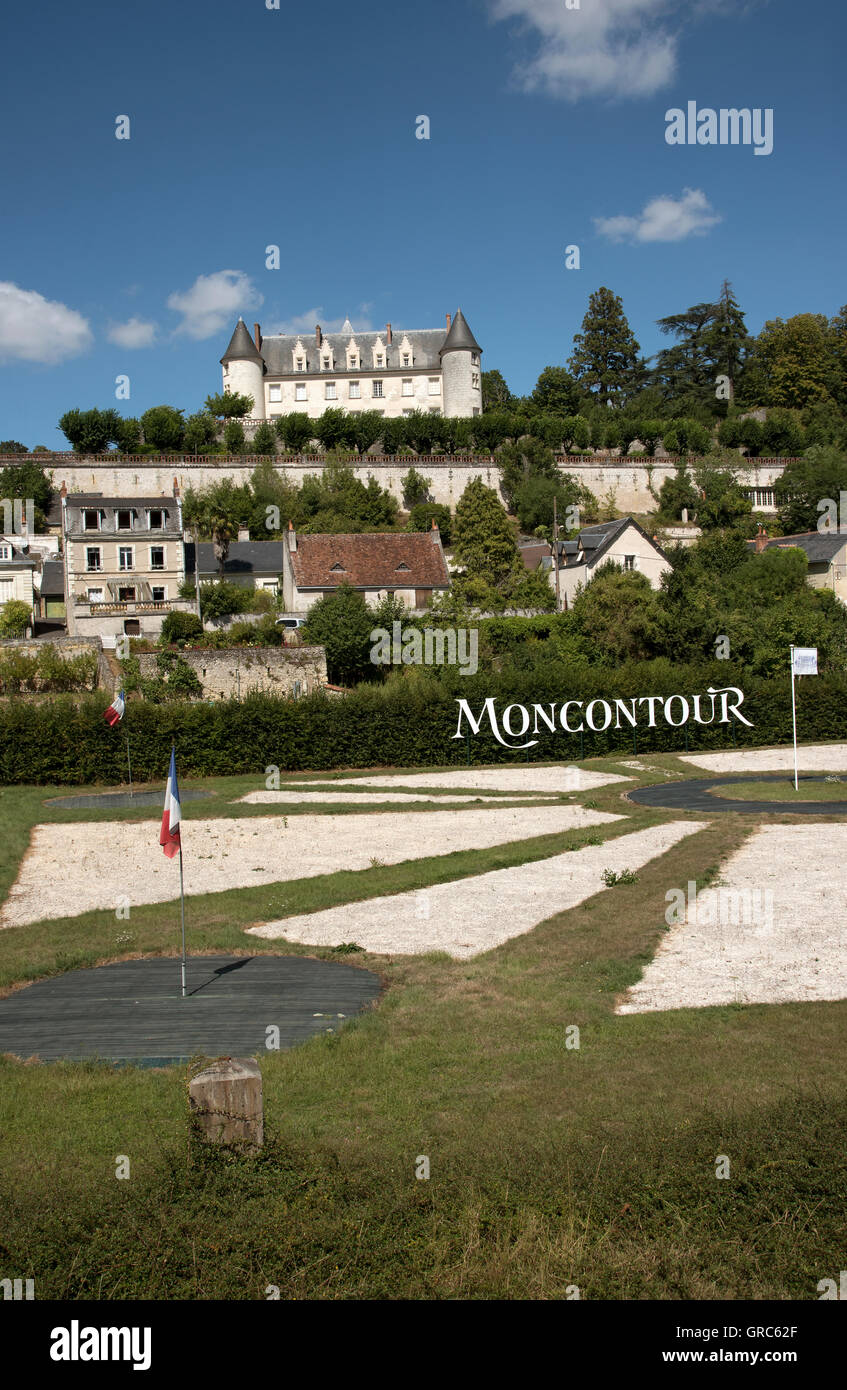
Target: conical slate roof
460,336
241,346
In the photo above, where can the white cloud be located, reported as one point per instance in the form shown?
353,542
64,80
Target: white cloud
663,219
35,329
604,48
214,302
135,333
305,323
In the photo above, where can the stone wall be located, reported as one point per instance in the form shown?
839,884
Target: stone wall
67,648
628,481
235,672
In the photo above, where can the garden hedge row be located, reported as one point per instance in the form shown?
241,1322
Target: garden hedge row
67,742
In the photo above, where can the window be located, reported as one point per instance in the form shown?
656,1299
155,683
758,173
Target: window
157,557
155,519
352,362
377,389
92,557
124,521
433,386
405,359
629,562
326,364
474,359
475,379
125,557
355,390
476,410
408,412
275,393
433,410
329,391
408,388
91,521
300,367
95,595
5,552
7,590
379,359
159,593
126,593
300,392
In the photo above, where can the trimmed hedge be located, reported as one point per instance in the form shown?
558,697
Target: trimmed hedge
67,742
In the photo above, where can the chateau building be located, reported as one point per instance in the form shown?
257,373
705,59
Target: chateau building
428,369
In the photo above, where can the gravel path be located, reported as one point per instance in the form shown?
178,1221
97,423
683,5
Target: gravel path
70,869
814,757
475,914
560,778
785,940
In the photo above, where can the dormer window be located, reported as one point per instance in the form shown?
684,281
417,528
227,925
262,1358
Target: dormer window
379,361
402,566
337,568
326,364
299,364
155,519
91,521
124,520
405,359
5,552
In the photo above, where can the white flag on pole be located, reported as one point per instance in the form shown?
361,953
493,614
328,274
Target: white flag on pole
805,661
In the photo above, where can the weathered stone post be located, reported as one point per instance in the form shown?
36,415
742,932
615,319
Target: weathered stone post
226,1098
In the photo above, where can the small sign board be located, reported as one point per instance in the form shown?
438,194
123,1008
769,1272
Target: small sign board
805,661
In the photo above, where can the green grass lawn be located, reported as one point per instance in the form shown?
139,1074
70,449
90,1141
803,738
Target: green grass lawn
782,789
550,1166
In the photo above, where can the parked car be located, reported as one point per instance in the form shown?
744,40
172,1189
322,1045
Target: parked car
291,621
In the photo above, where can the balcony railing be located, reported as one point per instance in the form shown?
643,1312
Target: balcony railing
108,606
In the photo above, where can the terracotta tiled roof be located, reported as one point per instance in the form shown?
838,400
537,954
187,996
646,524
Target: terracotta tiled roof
405,560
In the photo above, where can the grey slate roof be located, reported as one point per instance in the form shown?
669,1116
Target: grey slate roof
53,578
278,351
821,547
460,336
593,540
241,346
243,557
19,560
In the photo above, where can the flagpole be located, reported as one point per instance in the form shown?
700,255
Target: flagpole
182,907
794,717
128,763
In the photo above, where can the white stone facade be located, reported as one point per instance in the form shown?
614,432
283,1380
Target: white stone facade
394,373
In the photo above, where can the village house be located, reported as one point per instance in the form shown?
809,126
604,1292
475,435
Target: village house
251,564
408,564
826,552
124,563
622,541
435,370
17,571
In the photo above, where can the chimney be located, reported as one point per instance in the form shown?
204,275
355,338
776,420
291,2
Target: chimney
388,333
63,490
292,537
761,540
176,487
447,316
257,337
434,533
244,533
318,338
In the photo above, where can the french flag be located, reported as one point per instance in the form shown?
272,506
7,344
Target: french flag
169,834
115,713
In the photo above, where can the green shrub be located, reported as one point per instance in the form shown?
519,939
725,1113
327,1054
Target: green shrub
15,618
179,627
423,514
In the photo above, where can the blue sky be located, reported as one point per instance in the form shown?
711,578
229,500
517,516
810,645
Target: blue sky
251,126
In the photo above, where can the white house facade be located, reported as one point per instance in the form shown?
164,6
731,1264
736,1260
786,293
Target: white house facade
433,370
